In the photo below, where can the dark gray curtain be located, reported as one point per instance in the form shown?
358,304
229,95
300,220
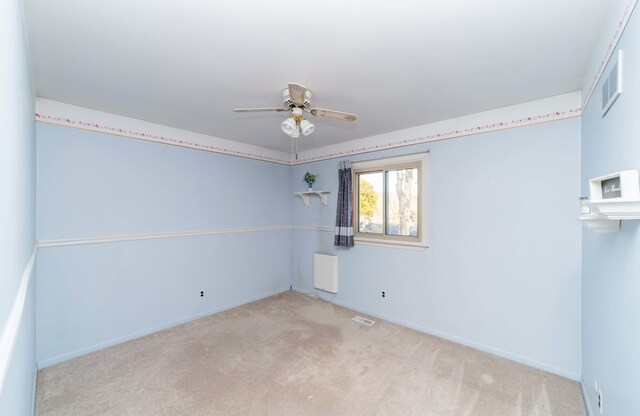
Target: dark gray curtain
344,213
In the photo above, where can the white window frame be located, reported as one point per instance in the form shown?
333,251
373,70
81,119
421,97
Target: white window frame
410,161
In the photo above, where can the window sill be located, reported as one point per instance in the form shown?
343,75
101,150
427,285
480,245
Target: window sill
391,244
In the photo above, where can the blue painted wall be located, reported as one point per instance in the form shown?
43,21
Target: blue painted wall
94,184
611,262
502,272
97,185
17,207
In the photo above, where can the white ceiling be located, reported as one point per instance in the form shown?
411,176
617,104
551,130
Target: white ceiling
187,64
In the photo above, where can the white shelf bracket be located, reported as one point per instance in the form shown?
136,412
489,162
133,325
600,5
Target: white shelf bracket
304,196
324,196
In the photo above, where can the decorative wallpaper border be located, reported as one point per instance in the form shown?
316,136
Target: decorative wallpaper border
151,137
66,115
499,125
534,112
609,49
53,112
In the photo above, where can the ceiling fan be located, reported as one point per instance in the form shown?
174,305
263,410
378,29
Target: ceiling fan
296,99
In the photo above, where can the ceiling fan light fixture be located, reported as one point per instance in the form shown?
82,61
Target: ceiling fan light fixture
289,126
307,127
296,99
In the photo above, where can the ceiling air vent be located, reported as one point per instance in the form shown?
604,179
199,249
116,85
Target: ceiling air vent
612,86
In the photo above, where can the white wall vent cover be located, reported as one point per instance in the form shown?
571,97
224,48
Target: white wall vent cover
612,86
367,322
325,272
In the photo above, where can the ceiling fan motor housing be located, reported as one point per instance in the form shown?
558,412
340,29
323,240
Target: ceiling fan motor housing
286,99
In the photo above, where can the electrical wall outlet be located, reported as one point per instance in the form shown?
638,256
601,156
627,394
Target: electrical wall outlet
384,294
202,293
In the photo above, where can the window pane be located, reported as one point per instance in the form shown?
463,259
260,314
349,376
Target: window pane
370,216
402,202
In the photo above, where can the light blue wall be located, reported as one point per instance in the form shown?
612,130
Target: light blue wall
502,272
611,262
98,185
93,184
17,207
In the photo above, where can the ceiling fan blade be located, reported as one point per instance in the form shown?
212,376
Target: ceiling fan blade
296,94
249,110
323,112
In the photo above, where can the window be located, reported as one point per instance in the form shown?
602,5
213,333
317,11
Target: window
390,201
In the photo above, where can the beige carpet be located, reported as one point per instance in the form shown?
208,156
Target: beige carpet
294,355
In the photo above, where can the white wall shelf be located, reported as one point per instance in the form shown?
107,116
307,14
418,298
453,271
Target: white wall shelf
604,216
616,210
305,196
612,198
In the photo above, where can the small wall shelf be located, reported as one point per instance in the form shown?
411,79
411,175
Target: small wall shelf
305,196
612,198
605,216
616,210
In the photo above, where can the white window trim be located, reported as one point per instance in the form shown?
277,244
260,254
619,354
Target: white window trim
421,243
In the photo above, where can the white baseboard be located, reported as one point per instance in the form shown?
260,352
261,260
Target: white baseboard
77,353
585,397
469,343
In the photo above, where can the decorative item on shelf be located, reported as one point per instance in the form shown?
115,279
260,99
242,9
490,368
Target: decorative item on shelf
309,178
612,198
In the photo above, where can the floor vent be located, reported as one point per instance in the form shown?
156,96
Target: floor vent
367,322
